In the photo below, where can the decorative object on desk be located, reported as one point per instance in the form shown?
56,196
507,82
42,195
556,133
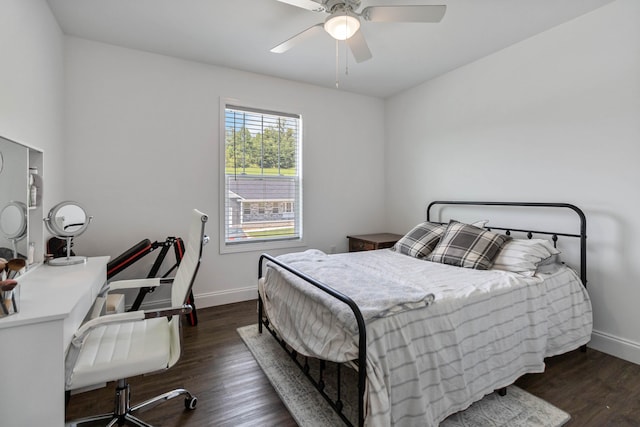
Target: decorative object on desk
13,223
67,220
57,248
14,267
516,409
8,299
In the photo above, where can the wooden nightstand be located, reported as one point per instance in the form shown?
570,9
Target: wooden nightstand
370,242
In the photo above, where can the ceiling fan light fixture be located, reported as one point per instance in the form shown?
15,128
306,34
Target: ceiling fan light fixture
342,25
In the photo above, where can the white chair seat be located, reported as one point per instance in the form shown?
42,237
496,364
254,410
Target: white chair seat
121,351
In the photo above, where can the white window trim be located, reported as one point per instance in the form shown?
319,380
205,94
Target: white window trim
262,245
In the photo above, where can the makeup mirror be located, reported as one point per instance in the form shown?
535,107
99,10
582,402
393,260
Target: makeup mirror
67,220
13,223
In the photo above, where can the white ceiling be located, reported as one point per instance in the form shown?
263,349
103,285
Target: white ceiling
239,34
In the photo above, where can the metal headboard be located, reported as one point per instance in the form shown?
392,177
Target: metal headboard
554,235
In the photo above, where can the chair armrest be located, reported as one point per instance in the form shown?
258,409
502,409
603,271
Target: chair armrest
83,331
153,282
168,312
131,316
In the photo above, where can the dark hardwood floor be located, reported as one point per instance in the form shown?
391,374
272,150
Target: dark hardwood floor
596,389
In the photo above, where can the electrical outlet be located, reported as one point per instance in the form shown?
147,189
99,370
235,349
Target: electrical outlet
332,249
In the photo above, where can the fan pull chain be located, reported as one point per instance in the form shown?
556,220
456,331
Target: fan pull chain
346,59
346,62
337,66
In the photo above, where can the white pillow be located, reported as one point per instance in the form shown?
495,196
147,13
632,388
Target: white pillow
549,265
480,224
523,255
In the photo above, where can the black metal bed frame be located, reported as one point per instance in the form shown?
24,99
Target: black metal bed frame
319,383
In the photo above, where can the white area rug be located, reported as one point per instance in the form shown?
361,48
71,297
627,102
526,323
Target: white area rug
517,409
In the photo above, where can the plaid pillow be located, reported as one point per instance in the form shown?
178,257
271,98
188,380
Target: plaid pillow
421,240
464,245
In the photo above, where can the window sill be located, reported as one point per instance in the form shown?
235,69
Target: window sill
260,246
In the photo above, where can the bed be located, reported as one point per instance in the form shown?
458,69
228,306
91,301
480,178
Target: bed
431,325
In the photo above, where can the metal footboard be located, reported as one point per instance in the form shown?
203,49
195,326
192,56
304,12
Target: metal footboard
337,404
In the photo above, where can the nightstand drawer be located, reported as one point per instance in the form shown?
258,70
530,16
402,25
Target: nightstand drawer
356,245
370,242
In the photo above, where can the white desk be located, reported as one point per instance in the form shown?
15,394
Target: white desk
53,303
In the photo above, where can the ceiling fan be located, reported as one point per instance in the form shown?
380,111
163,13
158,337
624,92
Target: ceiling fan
343,22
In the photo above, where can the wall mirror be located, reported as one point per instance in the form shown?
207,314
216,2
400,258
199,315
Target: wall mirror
67,220
21,228
14,182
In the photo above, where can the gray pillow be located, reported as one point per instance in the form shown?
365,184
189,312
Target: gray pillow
464,245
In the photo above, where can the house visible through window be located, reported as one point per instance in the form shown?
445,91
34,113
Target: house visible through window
262,176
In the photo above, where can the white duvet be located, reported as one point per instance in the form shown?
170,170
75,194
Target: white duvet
462,334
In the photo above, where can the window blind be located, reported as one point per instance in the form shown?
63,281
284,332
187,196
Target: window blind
262,176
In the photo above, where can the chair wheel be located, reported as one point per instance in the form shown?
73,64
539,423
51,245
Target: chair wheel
190,403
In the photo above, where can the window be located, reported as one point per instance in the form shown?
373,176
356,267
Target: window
262,171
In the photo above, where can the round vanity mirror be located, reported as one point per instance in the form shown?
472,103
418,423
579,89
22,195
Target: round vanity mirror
13,223
13,220
67,220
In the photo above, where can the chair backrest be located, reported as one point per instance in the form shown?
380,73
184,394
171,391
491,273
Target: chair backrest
186,275
188,268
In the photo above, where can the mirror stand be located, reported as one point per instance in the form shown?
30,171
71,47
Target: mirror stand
69,259
14,246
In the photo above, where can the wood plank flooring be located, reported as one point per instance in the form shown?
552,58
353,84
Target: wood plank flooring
596,389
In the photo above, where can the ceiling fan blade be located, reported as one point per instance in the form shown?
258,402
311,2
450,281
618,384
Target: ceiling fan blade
305,4
298,38
358,46
418,13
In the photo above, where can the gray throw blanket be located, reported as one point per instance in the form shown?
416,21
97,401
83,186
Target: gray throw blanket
376,294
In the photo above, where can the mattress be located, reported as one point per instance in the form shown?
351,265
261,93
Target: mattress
460,335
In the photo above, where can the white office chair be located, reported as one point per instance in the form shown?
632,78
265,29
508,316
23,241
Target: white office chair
119,346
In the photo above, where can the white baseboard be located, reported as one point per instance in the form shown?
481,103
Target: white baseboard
210,299
615,346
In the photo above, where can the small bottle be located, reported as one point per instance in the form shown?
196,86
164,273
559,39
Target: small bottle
31,252
33,189
33,195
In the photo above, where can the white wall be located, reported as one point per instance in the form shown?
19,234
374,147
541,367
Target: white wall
554,118
143,135
31,84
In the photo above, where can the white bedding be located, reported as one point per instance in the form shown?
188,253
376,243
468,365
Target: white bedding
479,331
